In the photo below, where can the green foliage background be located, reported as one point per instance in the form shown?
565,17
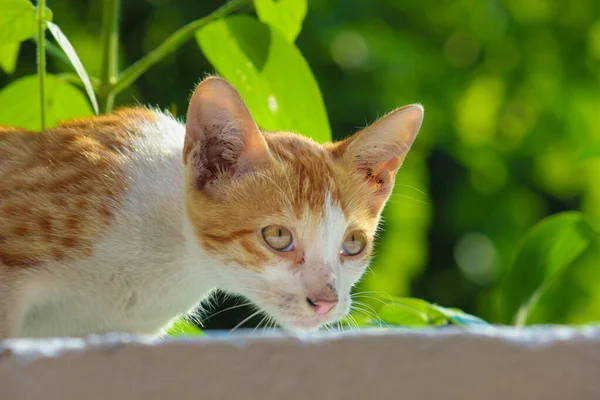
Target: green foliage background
511,132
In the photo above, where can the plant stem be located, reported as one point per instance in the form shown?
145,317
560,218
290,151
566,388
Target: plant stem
53,50
172,43
41,55
110,101
110,52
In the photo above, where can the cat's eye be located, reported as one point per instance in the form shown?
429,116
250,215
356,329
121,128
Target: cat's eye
278,237
354,243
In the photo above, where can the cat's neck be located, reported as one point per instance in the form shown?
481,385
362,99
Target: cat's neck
154,174
153,220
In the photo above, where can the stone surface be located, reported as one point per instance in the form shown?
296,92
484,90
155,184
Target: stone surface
449,363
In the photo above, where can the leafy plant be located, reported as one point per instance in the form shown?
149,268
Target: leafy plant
270,72
259,58
554,273
62,101
390,311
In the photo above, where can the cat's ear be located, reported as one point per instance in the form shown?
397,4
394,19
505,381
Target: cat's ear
221,140
377,152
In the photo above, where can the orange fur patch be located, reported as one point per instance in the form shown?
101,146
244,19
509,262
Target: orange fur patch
58,187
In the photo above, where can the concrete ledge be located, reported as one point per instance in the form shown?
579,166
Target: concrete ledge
450,363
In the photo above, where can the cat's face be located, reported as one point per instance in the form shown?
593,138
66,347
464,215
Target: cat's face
294,235
292,222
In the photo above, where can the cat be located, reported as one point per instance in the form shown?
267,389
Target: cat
123,222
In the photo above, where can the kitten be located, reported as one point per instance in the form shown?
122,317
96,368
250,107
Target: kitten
125,221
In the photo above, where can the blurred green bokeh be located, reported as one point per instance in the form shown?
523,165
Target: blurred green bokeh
511,91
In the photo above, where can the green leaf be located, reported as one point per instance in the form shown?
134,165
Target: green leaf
284,15
400,314
546,252
575,297
19,102
408,311
269,72
72,55
359,320
459,317
412,312
8,57
183,327
17,21
591,152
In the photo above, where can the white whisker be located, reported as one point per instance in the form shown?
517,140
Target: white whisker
227,309
244,321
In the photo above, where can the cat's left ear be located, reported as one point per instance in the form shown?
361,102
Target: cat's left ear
222,139
377,152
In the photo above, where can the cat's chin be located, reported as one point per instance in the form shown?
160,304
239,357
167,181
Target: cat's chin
305,324
301,326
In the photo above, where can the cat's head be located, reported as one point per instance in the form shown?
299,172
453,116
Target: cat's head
291,221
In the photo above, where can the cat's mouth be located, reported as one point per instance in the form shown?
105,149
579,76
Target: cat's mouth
292,312
302,321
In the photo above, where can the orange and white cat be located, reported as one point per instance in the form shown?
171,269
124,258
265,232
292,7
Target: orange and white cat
126,221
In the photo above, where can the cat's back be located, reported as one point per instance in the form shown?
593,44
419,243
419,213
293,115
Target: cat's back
60,188
39,160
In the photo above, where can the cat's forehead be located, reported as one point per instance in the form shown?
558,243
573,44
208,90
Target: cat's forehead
295,149
313,179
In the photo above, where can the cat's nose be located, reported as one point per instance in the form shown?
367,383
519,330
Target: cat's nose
322,306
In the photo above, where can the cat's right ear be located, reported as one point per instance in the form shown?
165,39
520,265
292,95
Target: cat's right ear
222,140
377,151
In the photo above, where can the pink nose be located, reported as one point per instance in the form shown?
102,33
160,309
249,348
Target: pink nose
322,306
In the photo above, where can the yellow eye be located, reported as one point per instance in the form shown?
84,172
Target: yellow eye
278,237
354,243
